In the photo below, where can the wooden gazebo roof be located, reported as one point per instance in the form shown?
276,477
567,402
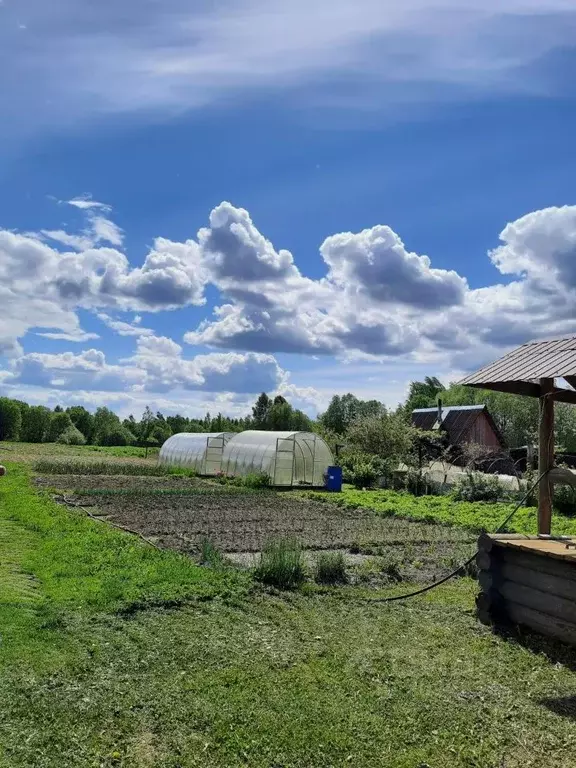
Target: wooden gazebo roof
520,371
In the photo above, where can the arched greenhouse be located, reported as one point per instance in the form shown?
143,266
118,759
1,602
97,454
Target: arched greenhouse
289,458
201,451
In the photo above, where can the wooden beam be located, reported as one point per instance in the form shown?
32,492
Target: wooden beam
545,454
528,389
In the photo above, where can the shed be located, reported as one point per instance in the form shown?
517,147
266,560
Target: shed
463,424
289,458
200,451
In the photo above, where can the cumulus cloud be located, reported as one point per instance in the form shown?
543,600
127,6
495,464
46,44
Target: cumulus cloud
377,298
361,307
541,246
161,359
43,286
156,366
375,262
234,250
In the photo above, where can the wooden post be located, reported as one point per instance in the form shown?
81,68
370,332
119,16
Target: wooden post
545,454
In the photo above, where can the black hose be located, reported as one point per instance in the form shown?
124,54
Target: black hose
467,562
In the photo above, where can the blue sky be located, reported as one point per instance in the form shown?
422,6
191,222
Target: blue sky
307,198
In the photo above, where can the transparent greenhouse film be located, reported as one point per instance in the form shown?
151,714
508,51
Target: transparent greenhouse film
288,458
200,451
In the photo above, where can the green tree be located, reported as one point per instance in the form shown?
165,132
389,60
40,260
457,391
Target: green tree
260,411
344,410
116,435
83,420
10,419
105,422
35,423
59,423
178,423
424,394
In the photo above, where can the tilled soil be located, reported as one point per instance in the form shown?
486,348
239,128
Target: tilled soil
180,513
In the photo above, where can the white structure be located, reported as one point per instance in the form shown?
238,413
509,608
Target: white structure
289,458
201,451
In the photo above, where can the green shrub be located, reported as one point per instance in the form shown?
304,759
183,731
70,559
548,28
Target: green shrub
475,486
330,568
281,564
117,435
565,500
71,436
256,480
362,470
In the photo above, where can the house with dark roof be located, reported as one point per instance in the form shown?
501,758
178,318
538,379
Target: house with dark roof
462,425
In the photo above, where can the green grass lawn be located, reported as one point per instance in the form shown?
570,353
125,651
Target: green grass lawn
115,654
31,452
476,516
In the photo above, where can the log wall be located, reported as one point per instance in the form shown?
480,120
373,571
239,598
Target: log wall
529,581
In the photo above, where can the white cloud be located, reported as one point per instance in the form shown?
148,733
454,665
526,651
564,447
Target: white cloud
377,300
375,263
128,56
86,203
42,286
157,366
79,336
78,242
125,329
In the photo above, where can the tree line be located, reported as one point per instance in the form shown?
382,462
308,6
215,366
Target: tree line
77,425
349,423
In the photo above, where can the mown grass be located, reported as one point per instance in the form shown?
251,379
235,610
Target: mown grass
95,672
474,516
85,565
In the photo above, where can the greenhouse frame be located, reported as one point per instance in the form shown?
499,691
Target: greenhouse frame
200,451
288,458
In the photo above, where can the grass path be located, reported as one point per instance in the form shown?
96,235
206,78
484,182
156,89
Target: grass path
98,670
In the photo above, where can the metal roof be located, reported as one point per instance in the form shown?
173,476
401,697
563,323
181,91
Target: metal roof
446,408
456,420
519,371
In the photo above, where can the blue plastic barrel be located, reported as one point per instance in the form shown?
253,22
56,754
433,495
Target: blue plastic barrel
334,479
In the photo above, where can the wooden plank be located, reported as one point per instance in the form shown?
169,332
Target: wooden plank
528,577
546,603
565,569
548,547
545,454
487,541
541,622
483,560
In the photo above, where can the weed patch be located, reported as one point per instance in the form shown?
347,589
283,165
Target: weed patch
330,568
281,564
